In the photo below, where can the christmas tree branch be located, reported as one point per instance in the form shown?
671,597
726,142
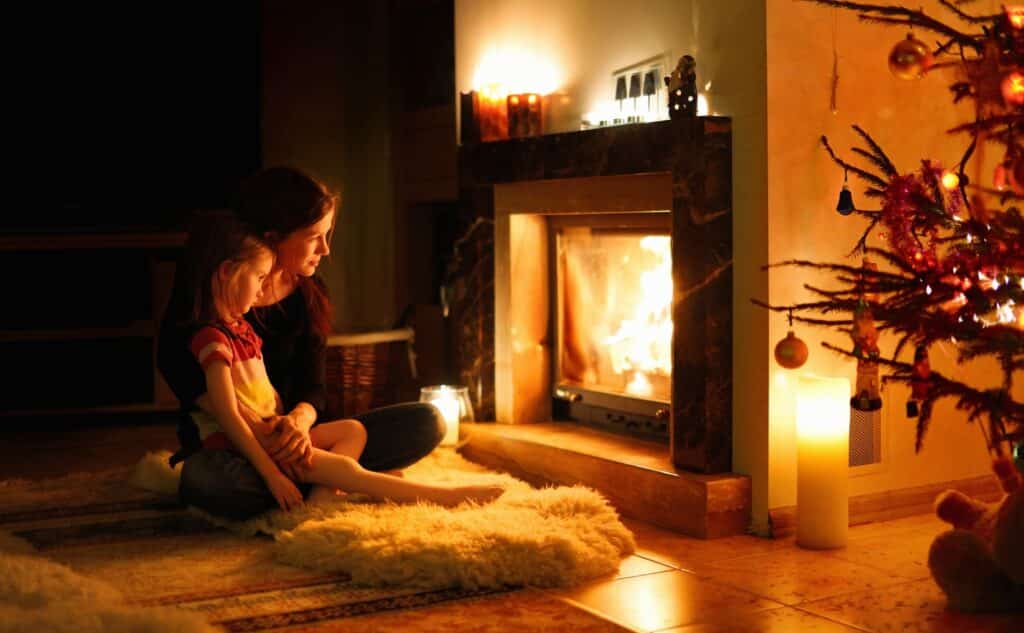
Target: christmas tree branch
966,17
909,17
864,175
887,166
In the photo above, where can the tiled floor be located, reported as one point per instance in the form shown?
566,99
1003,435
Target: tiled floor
879,582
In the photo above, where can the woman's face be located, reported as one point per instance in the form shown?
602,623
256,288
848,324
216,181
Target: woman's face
300,252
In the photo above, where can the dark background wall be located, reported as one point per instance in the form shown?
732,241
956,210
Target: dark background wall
125,117
129,114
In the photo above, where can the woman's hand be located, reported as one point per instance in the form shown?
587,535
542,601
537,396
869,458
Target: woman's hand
293,445
285,491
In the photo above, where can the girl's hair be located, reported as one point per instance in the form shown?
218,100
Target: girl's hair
214,237
277,201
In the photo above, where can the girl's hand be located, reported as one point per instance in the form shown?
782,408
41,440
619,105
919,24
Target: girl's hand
284,491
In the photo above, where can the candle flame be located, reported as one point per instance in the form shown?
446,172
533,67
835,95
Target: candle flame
514,70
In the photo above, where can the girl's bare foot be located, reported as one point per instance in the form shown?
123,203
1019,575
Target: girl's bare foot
325,494
477,494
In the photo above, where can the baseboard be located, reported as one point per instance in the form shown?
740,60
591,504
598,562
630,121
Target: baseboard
894,504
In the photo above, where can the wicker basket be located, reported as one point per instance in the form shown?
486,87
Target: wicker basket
366,371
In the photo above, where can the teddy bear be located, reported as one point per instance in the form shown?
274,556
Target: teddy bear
979,564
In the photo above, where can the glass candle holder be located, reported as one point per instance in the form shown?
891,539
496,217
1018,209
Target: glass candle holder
454,405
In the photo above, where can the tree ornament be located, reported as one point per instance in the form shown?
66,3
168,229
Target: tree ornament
919,382
910,58
865,347
791,352
845,204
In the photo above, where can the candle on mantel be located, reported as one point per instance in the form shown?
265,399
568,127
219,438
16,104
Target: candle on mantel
823,461
493,114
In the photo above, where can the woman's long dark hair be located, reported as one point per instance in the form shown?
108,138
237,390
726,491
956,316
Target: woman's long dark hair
278,201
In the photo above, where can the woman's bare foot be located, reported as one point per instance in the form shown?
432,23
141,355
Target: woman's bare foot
395,473
477,494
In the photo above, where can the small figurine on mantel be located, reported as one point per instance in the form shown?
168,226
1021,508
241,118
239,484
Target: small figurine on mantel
682,88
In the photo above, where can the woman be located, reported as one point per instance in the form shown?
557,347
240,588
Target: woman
296,215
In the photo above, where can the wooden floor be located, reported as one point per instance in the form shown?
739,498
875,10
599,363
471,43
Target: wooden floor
673,583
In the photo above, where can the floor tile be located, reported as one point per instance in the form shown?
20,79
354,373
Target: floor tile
784,620
658,601
917,606
904,555
691,554
638,566
916,523
793,575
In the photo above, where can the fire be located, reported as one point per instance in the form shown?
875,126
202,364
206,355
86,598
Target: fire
642,344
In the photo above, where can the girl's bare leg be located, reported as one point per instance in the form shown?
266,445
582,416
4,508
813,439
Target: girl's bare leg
341,471
342,437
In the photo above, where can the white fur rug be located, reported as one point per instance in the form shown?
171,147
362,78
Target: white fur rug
38,595
555,536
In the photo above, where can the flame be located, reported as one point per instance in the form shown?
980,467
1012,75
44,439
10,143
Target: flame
514,70
643,342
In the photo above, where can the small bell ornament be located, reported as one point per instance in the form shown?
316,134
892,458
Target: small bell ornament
910,58
845,204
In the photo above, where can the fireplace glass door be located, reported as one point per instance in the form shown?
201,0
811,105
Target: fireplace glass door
613,281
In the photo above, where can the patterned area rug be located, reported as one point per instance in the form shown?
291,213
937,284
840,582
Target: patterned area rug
158,553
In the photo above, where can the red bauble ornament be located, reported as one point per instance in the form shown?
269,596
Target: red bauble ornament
910,58
791,352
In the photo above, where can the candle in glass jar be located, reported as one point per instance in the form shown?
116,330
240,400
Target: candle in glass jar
823,458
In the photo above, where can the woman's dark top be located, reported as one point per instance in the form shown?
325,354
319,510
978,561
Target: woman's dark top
294,355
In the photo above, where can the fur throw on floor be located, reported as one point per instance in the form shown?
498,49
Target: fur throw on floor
556,536
39,595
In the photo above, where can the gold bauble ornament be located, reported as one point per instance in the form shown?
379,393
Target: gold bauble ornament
791,352
910,58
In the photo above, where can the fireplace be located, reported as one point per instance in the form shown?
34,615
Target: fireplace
550,197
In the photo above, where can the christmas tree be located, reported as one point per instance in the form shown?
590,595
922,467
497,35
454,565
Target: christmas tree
952,268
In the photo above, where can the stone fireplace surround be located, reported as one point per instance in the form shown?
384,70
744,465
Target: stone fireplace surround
679,165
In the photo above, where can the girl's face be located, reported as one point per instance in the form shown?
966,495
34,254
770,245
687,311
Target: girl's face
243,282
300,252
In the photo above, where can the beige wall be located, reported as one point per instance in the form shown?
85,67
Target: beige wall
908,119
326,109
586,40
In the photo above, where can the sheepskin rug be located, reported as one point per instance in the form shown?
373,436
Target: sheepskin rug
37,594
555,536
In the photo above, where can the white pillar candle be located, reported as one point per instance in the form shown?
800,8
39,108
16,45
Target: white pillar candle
823,458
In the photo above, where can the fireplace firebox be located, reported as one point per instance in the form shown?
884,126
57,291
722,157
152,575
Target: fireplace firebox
612,316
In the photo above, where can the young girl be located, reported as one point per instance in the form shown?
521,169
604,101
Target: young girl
226,266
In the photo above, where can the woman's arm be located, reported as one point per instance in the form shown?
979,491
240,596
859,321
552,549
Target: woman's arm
224,405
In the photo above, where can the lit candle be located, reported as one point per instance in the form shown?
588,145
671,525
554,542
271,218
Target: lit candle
823,458
449,401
